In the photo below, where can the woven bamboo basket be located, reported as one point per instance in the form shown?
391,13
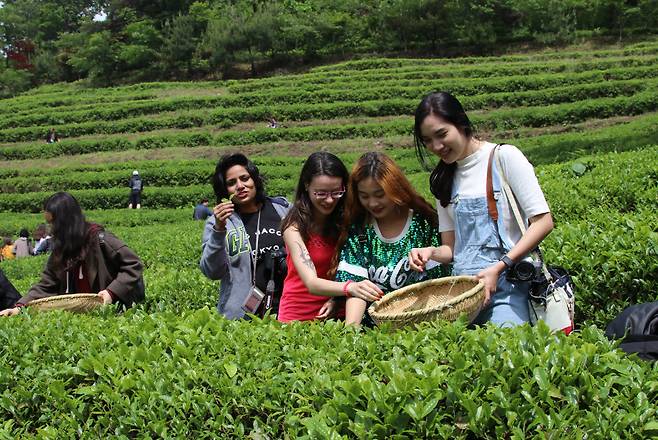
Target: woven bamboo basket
77,302
443,298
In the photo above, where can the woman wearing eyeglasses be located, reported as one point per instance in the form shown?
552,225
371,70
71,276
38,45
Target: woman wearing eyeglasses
310,232
384,219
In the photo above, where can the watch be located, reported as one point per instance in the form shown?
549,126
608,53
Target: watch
507,261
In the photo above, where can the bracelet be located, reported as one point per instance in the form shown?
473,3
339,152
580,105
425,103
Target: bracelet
345,291
507,261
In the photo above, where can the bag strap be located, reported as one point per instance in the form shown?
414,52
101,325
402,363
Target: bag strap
491,201
511,199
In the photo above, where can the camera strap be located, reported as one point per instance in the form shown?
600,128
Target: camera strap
511,199
254,257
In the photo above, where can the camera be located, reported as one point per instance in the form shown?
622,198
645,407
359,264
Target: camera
524,271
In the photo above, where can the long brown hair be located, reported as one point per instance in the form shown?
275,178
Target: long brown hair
320,163
70,230
396,186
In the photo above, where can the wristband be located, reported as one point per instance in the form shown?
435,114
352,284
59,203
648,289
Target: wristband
345,291
507,261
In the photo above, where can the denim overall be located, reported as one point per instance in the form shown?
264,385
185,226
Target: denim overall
479,245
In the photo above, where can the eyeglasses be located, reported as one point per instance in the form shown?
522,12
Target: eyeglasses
325,194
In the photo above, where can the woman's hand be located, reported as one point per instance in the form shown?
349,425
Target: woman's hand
366,290
105,295
489,277
222,212
418,258
11,312
328,310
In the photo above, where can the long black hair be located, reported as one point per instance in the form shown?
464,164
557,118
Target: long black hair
230,160
320,163
69,229
446,106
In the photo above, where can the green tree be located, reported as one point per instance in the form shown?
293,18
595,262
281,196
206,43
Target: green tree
139,50
97,58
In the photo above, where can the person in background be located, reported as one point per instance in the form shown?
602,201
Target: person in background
45,246
23,246
136,186
201,211
473,240
241,235
85,259
39,236
7,251
384,219
52,137
310,231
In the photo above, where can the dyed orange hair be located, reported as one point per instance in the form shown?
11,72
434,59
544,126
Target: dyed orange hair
383,170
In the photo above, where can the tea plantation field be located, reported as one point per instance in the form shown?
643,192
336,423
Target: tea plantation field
586,118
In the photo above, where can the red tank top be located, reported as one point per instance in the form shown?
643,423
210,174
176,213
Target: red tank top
297,303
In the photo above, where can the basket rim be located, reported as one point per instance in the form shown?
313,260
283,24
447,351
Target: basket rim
69,296
404,291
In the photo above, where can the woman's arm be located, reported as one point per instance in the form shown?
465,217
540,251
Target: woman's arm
354,310
128,265
319,286
540,226
214,256
418,257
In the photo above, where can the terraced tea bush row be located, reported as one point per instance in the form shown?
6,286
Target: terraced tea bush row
489,70
171,174
26,107
331,92
388,63
118,143
540,149
475,86
536,116
12,222
198,375
273,102
160,197
76,94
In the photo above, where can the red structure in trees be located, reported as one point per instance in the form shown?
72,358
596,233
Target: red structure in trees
20,54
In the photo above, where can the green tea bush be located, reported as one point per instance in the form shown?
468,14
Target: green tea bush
622,182
196,374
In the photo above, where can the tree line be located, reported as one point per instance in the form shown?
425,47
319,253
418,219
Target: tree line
122,41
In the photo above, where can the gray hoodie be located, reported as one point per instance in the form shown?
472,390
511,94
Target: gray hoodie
234,271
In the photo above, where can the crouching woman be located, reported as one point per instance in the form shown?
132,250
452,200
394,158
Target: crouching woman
85,259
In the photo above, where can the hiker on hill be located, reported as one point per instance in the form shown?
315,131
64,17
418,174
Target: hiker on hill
136,185
52,137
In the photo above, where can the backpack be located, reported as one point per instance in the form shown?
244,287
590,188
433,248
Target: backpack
139,292
637,326
9,296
